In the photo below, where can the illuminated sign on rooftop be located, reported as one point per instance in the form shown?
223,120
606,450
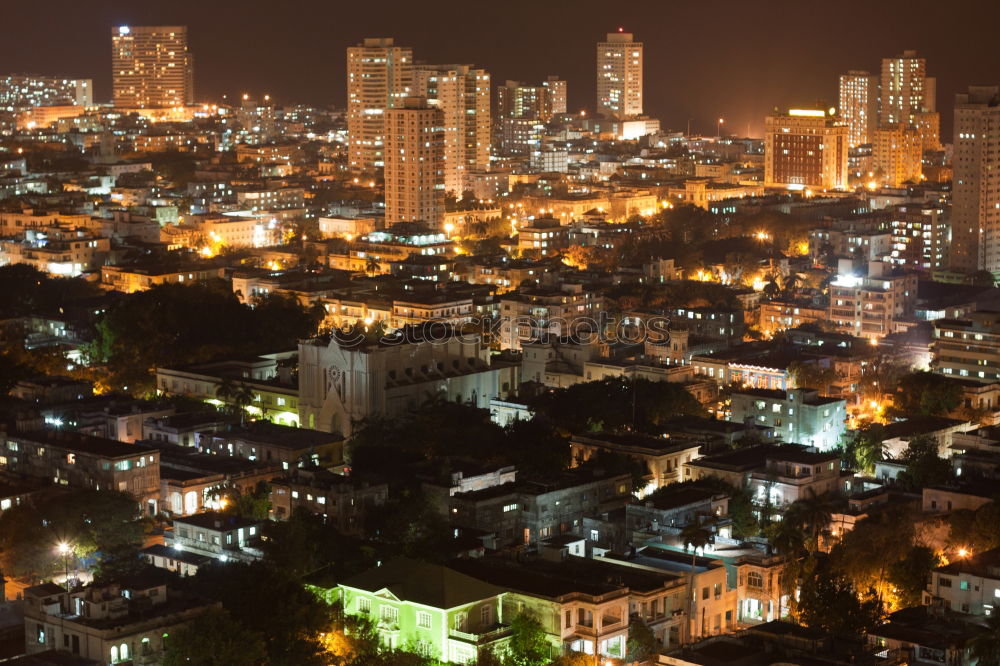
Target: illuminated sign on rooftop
807,113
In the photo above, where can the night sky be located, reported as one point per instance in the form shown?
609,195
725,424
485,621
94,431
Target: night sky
704,58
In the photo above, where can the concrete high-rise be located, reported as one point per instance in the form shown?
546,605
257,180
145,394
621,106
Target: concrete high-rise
903,91
859,106
975,214
619,76
907,95
462,92
414,162
151,67
805,148
897,154
516,100
379,76
556,88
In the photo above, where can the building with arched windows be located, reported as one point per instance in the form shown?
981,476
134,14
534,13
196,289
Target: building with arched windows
125,622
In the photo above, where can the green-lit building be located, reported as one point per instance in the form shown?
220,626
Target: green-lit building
426,608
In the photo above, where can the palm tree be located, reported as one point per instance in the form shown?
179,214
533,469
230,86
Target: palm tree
791,284
236,396
372,266
225,390
986,644
811,511
695,535
786,538
771,288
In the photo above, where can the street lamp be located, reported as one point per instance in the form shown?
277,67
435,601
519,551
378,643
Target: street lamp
718,127
64,549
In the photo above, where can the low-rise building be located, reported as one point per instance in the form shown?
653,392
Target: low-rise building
182,429
664,457
536,313
968,347
779,315
220,536
67,458
968,584
776,475
181,562
870,305
526,512
585,605
542,238
674,508
428,608
801,416
268,379
342,501
123,622
272,443
924,635
130,279
57,251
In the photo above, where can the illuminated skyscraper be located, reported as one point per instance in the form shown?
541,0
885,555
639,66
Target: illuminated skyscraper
516,100
463,95
907,95
859,106
414,162
556,88
902,94
619,76
521,114
379,75
805,148
975,214
151,67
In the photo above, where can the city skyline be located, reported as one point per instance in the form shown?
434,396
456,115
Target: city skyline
691,75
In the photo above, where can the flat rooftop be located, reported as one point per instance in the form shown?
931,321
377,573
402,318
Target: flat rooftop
81,443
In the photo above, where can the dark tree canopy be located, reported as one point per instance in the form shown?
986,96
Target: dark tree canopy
614,404
909,575
529,645
176,324
924,466
439,430
24,290
926,394
103,524
830,603
214,639
268,603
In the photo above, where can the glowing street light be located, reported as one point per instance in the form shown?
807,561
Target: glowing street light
64,549
718,127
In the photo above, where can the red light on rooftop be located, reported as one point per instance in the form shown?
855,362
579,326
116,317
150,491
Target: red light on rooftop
620,29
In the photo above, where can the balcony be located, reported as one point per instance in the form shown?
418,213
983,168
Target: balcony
610,621
480,637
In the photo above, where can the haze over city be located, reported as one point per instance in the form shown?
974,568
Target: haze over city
705,59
